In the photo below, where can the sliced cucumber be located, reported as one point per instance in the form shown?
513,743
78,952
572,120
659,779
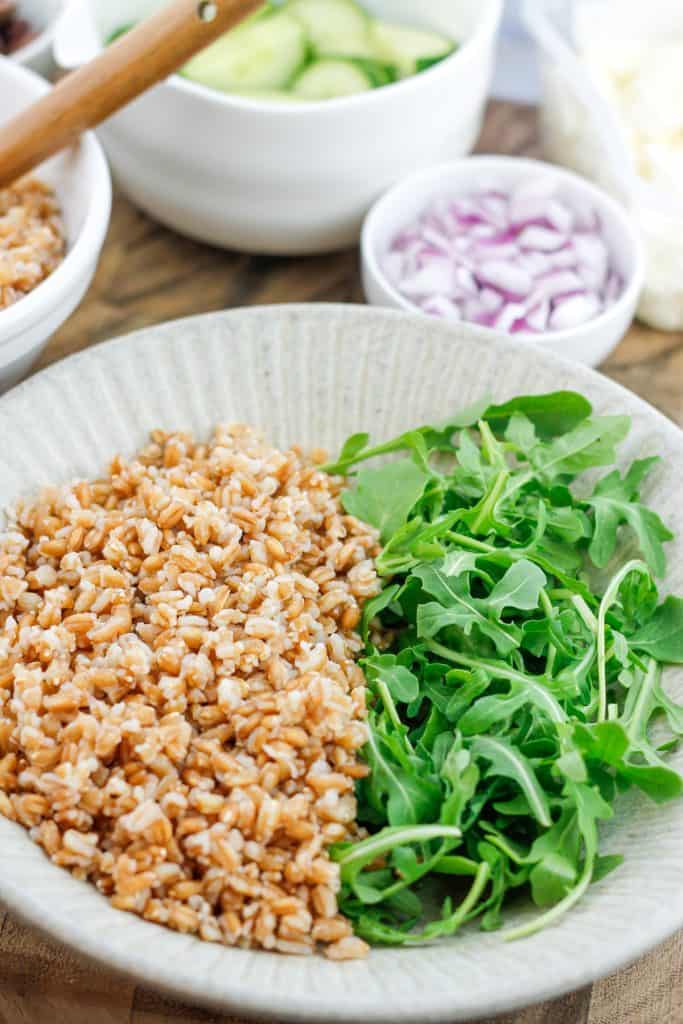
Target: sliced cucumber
409,49
378,73
335,28
328,79
265,53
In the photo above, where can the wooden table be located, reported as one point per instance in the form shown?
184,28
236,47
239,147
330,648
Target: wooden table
147,275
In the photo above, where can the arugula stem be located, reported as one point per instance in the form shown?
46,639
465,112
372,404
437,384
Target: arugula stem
390,708
561,908
547,607
587,617
609,598
470,901
546,604
497,668
426,867
389,838
471,542
640,712
489,503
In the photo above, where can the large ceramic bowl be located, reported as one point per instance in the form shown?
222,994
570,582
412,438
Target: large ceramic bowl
287,178
315,374
80,178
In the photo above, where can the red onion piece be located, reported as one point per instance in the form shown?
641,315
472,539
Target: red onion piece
527,261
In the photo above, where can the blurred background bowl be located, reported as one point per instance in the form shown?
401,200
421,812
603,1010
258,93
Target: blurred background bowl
591,342
42,16
280,178
80,177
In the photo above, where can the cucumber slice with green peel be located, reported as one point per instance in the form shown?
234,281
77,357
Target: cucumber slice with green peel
411,50
329,79
266,53
335,28
379,74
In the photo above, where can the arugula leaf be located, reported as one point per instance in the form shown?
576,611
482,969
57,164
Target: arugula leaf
456,608
385,497
521,432
400,681
516,693
591,443
550,415
614,501
507,761
375,605
662,636
520,588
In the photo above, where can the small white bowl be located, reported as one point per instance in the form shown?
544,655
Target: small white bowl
42,15
81,180
590,343
279,177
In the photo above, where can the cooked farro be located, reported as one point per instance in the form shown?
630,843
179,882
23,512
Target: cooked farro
180,709
31,238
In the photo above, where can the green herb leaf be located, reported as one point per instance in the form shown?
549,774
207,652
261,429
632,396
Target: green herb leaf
662,637
520,587
551,414
614,501
507,761
385,497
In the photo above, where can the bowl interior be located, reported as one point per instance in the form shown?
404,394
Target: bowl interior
455,18
407,200
315,375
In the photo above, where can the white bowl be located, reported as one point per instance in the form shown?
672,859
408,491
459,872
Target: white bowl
590,343
315,374
287,178
81,180
37,55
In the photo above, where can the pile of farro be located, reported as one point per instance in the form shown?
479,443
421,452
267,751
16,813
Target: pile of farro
31,238
180,710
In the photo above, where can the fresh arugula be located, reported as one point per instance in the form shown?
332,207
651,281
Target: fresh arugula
510,700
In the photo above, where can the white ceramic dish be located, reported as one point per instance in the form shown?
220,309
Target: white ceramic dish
315,374
287,178
81,180
590,343
37,55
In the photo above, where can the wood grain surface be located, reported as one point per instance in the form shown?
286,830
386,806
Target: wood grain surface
147,275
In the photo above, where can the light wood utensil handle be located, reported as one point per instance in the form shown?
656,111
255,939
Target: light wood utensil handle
139,59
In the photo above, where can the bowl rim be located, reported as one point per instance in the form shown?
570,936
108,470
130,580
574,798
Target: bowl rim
487,25
601,200
253,998
46,295
41,43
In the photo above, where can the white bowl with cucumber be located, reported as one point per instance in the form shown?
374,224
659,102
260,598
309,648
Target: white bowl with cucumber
279,137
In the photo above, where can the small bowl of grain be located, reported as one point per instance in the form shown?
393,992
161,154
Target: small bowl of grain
52,227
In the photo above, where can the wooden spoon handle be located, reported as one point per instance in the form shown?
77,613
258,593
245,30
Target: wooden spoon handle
139,59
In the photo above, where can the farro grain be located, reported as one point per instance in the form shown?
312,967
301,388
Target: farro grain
31,238
180,710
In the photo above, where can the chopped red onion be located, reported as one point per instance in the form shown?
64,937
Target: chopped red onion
526,261
574,310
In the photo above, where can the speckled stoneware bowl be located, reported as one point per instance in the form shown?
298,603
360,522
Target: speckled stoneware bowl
315,374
